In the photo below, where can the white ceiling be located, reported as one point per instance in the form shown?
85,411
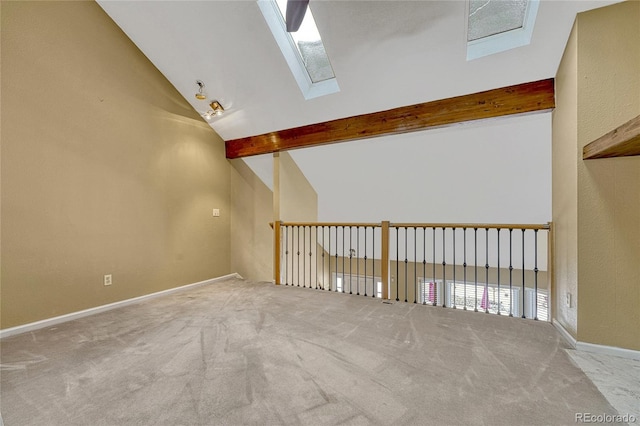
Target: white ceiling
385,54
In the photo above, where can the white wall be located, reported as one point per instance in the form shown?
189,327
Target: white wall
496,171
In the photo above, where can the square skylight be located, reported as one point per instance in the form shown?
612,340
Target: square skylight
498,25
303,50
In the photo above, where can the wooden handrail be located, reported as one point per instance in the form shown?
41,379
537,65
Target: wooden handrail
354,224
422,225
471,225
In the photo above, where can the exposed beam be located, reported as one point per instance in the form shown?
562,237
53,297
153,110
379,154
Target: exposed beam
623,141
518,99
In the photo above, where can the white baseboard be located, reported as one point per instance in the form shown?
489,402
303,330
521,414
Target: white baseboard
608,350
564,333
596,349
92,311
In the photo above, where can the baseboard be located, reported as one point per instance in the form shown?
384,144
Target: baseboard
594,348
608,350
92,311
564,333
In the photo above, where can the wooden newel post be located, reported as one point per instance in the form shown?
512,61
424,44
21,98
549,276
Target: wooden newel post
385,260
276,252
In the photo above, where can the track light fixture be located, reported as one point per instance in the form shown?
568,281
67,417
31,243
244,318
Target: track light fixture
216,109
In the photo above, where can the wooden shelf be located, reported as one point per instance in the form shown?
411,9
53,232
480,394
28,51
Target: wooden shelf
623,141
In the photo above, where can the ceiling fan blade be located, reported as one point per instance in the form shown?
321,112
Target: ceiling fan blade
295,14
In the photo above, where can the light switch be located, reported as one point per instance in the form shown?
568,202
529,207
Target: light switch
216,212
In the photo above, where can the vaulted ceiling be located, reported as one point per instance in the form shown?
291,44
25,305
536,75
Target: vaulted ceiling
385,54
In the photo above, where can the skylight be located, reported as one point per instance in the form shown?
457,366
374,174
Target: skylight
310,47
303,50
498,25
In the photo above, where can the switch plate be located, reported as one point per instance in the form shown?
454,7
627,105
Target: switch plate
216,212
108,280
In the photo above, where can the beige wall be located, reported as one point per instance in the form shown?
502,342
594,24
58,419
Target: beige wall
298,200
565,187
252,210
106,169
598,89
608,189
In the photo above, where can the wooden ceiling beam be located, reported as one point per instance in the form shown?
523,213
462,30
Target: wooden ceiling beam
623,141
518,99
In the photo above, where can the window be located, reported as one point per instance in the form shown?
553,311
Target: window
472,297
356,283
430,292
303,50
498,25
508,301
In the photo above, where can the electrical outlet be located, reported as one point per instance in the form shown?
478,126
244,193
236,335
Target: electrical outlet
216,212
107,280
568,300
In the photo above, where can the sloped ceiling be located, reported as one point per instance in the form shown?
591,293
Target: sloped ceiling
385,54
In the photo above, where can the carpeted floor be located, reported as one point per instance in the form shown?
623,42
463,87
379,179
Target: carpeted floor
238,352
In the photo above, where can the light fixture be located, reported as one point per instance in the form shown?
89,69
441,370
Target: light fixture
216,107
200,95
